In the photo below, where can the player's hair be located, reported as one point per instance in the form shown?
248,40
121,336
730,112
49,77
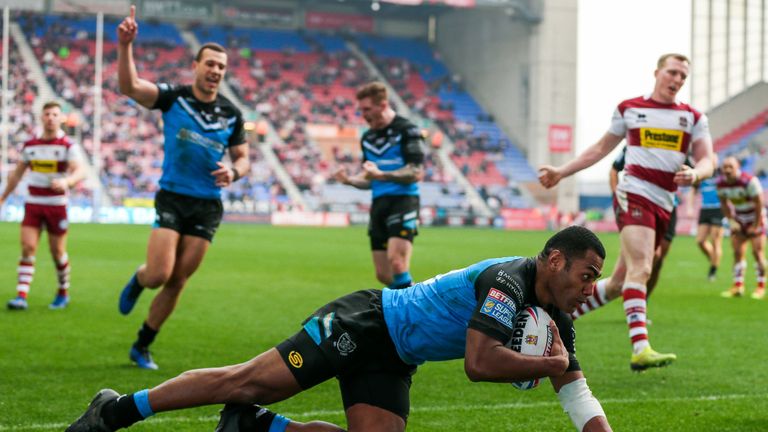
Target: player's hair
213,46
376,90
676,56
51,104
573,242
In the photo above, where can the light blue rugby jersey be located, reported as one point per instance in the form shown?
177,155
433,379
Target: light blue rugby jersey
196,136
708,188
429,321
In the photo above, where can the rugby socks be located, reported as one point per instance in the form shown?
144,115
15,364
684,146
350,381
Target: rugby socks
146,336
712,271
760,278
738,275
634,309
26,271
262,420
127,410
401,280
596,300
62,271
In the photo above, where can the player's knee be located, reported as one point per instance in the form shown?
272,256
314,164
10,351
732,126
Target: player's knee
154,279
28,249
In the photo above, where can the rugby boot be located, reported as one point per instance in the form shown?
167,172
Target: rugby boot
735,291
60,302
648,358
758,294
235,418
91,420
142,358
19,303
129,295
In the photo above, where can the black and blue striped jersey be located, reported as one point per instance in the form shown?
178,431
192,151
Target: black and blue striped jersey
196,136
391,148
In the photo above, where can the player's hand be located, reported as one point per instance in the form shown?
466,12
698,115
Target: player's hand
559,354
59,185
549,176
372,172
223,174
128,29
340,175
686,176
734,225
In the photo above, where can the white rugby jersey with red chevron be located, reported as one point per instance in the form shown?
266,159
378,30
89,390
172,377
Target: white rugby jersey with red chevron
658,138
742,193
48,160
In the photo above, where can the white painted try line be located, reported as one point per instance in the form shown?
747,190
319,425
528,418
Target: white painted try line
437,408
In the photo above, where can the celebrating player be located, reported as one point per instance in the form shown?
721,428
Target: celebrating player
393,151
373,341
709,235
747,219
659,132
56,165
200,125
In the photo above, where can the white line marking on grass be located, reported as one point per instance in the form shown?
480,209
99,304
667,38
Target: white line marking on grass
425,409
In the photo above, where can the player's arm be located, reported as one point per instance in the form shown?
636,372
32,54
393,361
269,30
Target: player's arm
613,180
226,175
549,175
138,89
756,191
76,172
703,155
410,173
579,403
13,180
358,180
487,359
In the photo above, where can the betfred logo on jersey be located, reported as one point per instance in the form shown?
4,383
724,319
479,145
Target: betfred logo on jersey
665,139
500,307
44,166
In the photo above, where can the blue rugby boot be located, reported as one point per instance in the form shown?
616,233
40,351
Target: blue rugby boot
60,302
129,295
142,358
19,303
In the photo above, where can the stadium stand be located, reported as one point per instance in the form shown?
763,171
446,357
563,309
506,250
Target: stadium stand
482,151
131,145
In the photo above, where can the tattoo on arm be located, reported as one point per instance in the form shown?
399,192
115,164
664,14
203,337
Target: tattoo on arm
410,173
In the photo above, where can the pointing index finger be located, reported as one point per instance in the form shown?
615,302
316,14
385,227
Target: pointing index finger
133,12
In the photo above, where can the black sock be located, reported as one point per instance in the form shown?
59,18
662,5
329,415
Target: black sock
146,336
712,270
257,419
121,412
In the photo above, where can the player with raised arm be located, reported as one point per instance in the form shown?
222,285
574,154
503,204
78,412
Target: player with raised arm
741,200
56,165
660,132
373,341
200,126
393,151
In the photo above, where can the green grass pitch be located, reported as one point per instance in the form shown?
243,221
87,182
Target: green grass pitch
258,282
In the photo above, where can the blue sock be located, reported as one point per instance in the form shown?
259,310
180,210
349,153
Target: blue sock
279,424
141,399
402,280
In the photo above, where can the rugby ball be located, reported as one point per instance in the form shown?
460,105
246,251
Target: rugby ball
531,336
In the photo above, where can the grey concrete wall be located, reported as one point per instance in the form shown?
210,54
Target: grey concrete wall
738,109
491,52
